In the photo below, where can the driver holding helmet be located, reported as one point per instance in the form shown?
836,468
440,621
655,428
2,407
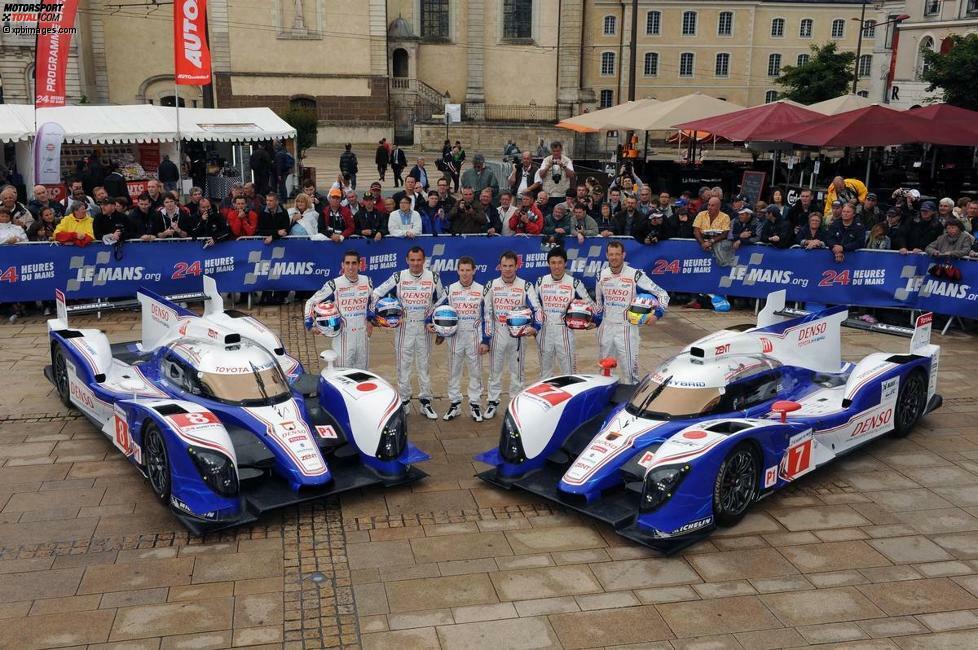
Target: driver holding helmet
351,294
465,297
556,290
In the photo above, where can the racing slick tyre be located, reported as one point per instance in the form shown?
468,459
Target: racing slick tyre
735,487
157,462
59,369
911,402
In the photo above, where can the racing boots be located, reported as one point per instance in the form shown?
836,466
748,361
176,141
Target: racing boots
476,411
454,411
491,410
427,410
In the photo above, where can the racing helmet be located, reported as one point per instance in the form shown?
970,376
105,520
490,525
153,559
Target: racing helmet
519,322
445,321
388,312
643,306
580,314
327,319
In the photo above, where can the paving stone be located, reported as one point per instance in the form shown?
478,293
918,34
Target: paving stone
607,600
254,636
717,616
942,520
239,566
724,589
832,633
439,593
546,606
834,556
610,627
423,638
404,502
819,517
46,532
910,549
666,594
770,639
476,613
919,596
887,480
371,599
840,534
544,583
57,630
585,556
941,476
373,624
256,586
422,618
639,574
140,644
907,500
27,564
956,640
461,567
837,579
258,610
522,633
897,626
787,583
940,569
27,501
144,574
66,604
459,547
203,641
172,618
373,555
740,565
944,621
200,592
548,540
39,584
838,605
116,599
523,562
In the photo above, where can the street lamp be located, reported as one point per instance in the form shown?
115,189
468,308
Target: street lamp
859,43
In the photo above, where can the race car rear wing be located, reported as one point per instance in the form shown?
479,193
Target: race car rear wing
99,306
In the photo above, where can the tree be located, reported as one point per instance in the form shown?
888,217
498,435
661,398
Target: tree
826,75
304,121
955,71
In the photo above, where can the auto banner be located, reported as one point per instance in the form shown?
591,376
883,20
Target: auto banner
192,56
866,278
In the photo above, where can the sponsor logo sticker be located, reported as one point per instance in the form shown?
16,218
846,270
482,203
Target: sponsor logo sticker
326,432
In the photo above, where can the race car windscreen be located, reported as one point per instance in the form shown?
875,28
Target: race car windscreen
253,388
661,401
254,381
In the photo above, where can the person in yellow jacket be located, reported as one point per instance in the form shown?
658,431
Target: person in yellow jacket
844,189
76,227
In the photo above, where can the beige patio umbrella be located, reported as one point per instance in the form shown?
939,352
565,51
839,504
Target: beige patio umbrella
841,104
600,120
660,116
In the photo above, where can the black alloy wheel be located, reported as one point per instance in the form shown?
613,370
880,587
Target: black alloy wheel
59,368
911,402
157,462
735,488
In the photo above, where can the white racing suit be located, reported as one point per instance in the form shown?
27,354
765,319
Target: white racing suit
412,342
616,337
464,346
499,298
352,299
555,341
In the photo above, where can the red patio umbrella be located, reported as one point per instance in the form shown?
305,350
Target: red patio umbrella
744,125
942,115
872,126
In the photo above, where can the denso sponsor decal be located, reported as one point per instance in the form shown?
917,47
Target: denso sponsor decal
812,333
874,422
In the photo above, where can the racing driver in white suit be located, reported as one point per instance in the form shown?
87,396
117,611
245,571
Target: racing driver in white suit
351,294
465,297
556,290
617,287
418,289
501,295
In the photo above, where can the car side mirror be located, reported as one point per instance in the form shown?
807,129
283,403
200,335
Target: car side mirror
784,407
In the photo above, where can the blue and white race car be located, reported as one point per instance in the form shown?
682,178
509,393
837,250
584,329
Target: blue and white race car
733,417
220,419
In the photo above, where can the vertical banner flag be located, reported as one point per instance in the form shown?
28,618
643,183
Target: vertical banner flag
54,31
47,153
192,65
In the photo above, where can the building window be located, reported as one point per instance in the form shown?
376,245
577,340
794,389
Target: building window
689,23
803,59
517,18
610,25
686,64
770,96
653,23
972,6
607,64
838,28
932,7
926,44
774,65
806,28
607,98
725,24
722,67
434,19
865,65
777,28
869,29
651,64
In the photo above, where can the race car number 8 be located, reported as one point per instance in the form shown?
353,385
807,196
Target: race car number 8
184,420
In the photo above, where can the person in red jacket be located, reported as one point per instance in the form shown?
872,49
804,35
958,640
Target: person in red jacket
242,221
527,220
336,222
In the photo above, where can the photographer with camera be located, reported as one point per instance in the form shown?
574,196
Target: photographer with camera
556,172
527,220
465,219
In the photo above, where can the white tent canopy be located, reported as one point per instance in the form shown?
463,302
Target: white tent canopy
660,116
144,123
841,104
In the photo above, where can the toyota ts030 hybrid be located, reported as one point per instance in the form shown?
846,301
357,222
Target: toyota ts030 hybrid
220,419
730,419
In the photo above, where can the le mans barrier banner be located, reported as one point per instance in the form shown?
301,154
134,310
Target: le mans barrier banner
867,278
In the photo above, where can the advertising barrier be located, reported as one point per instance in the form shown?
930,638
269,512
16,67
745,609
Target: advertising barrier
867,278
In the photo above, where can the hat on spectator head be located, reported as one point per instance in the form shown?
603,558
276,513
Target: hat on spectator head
740,197
773,209
368,196
872,195
680,203
838,204
930,206
335,193
656,214
892,212
745,211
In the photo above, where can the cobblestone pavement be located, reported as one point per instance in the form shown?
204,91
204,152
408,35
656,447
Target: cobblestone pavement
877,551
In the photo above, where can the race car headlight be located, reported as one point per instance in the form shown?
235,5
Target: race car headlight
216,469
510,441
660,484
393,438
